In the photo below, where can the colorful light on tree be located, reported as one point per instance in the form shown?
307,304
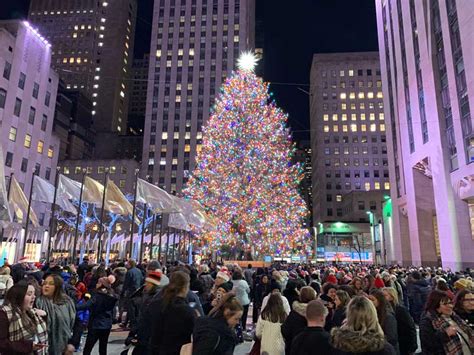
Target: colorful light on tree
244,176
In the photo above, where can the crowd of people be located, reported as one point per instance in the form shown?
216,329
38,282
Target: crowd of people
209,308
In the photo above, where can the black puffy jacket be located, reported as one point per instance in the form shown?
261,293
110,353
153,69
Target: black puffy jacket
212,336
101,306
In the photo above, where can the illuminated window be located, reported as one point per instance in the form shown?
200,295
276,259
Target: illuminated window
101,44
76,27
351,72
343,106
344,128
343,96
361,95
386,186
27,142
199,135
334,116
335,128
362,106
367,186
40,146
168,63
158,52
50,152
381,116
97,77
101,20
71,60
64,60
377,186
325,117
353,117
382,127
372,116
122,94
362,116
341,73
164,135
187,148
373,127
338,198
236,38
344,117
363,127
370,95
74,35
326,128
379,95
353,127
12,134
113,169
66,170
352,95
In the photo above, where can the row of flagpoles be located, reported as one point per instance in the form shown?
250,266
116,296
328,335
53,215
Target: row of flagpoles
183,214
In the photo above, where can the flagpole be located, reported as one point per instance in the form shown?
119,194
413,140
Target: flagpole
53,210
160,237
101,222
79,211
28,212
167,244
153,230
174,245
142,240
7,202
133,212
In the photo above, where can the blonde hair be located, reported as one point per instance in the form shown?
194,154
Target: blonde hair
393,293
362,317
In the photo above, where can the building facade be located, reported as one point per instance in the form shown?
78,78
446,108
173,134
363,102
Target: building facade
303,157
138,90
92,48
194,46
28,88
428,74
348,141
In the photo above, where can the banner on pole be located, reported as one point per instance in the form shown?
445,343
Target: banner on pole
19,203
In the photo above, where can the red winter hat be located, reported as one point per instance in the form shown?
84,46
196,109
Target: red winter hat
331,279
379,283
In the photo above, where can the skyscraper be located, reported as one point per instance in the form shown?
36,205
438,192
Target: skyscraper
428,75
194,46
138,90
92,47
349,151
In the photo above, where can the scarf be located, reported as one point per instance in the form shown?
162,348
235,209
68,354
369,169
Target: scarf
17,331
454,345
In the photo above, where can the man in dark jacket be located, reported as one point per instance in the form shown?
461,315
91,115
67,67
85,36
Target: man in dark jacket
314,336
82,268
418,290
19,270
133,279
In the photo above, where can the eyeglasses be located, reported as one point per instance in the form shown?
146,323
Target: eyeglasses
468,300
447,303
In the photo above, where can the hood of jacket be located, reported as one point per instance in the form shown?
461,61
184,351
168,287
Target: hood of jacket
300,308
351,341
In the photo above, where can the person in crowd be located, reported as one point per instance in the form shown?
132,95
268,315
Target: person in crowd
79,286
60,315
82,268
357,286
133,281
296,321
464,306
442,285
119,272
6,281
98,273
269,327
340,302
315,283
462,284
406,327
275,288
248,273
207,281
262,289
418,290
242,290
291,293
18,271
215,334
328,296
101,306
313,336
170,318
369,283
361,333
22,328
386,318
441,330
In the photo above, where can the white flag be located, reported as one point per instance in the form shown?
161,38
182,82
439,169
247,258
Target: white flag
69,188
178,221
5,212
192,211
159,200
43,191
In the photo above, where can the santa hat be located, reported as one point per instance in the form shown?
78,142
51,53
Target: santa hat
331,279
154,277
23,259
223,275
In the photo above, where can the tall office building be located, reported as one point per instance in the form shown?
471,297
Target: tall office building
303,157
138,90
349,151
194,46
28,88
92,48
428,74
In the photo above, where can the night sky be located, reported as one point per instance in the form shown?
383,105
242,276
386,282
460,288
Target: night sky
292,33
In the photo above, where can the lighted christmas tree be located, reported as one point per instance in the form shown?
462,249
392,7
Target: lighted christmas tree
244,176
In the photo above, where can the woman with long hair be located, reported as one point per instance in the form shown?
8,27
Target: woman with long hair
269,327
341,301
464,306
242,291
22,330
441,330
387,319
170,317
215,334
60,315
361,333
406,327
357,285
369,283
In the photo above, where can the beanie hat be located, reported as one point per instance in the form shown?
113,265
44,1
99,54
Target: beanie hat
379,283
154,277
331,279
462,284
154,265
223,275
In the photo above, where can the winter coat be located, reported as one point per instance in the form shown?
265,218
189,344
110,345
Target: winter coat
6,281
81,270
271,340
207,283
418,291
467,317
294,324
338,317
435,340
406,328
119,273
101,306
291,295
248,273
309,339
260,292
286,304
18,272
345,341
212,336
390,329
133,281
171,326
242,290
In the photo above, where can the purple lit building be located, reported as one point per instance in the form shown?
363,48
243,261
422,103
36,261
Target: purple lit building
426,57
194,46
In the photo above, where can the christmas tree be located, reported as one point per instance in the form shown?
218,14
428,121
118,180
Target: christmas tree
244,176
